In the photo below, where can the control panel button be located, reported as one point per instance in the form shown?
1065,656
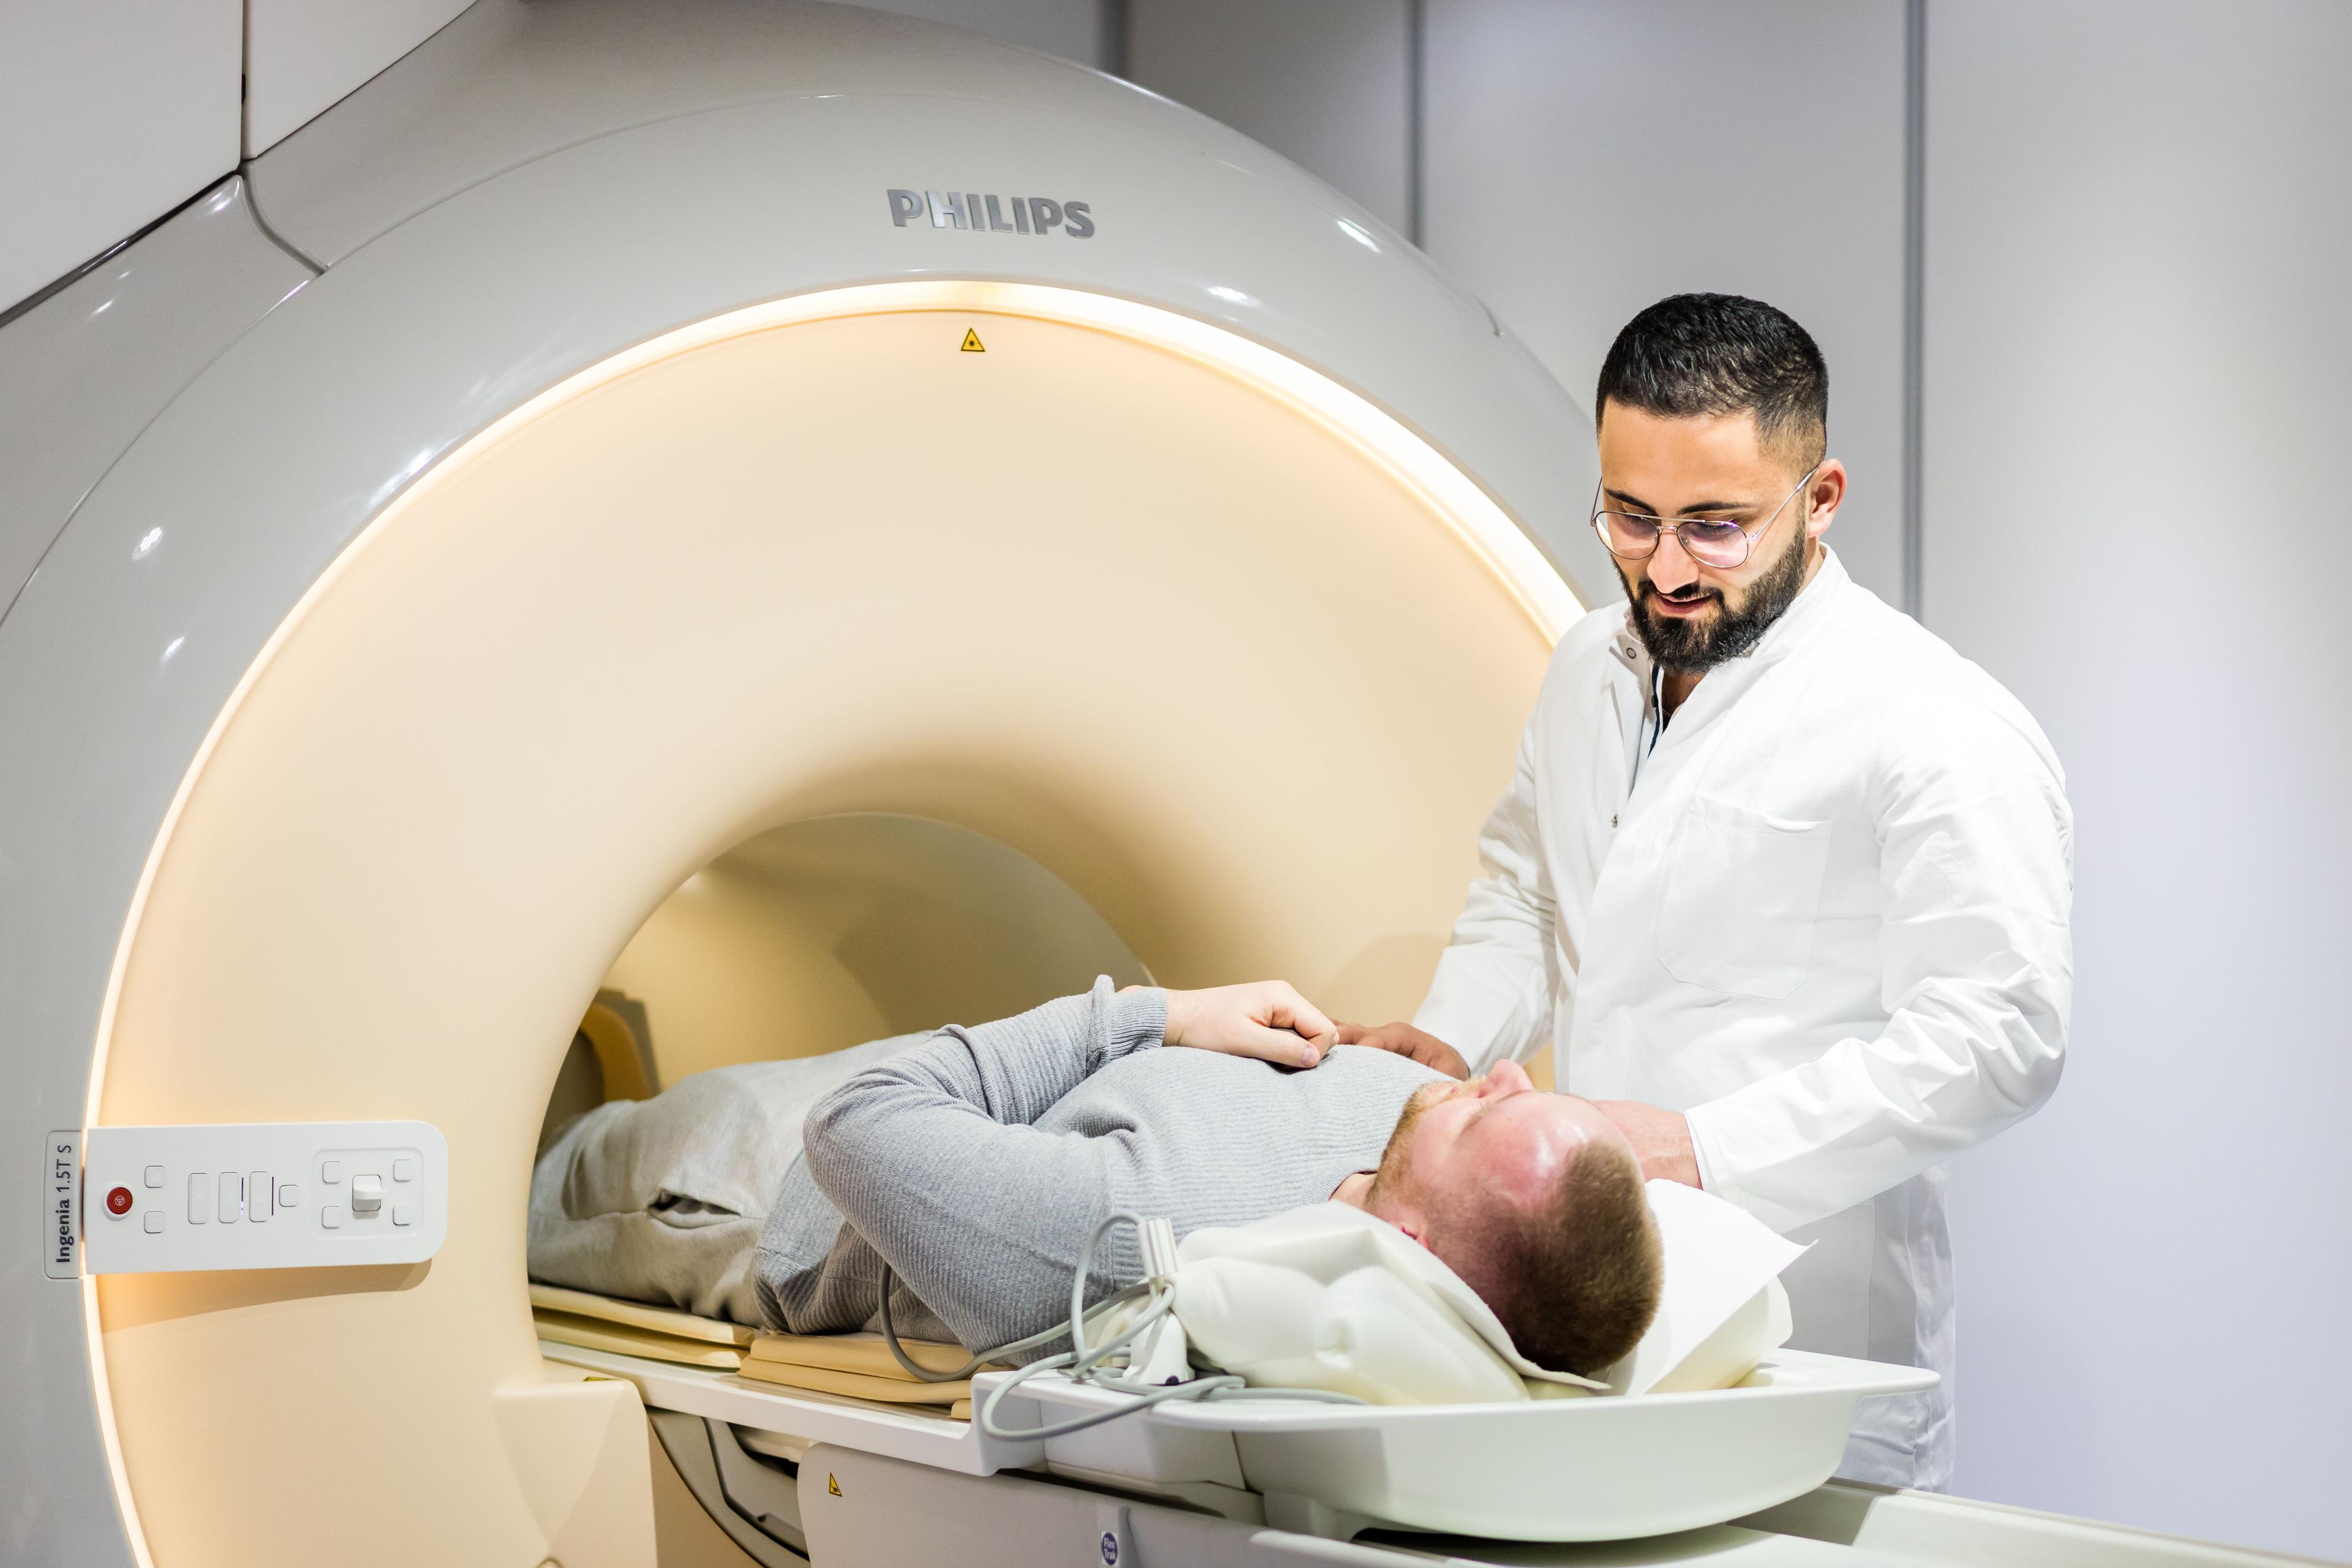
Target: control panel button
180,1198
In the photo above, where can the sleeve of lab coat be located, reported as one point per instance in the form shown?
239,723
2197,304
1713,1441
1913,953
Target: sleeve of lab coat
1975,871
1492,995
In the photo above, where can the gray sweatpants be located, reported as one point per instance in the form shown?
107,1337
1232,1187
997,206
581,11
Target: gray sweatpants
663,1200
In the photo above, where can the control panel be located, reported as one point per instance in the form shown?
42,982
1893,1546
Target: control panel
271,1194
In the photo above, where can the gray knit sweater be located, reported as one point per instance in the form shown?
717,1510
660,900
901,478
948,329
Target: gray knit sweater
978,1162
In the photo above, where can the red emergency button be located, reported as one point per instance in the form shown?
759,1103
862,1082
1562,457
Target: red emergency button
118,1201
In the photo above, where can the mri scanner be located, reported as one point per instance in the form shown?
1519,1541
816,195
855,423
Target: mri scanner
797,523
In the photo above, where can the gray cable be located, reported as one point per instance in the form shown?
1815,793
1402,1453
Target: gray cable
1081,1362
924,1374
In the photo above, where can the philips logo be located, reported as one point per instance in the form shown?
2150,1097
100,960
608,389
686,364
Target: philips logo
994,215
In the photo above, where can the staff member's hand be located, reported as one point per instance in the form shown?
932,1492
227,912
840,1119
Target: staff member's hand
1267,1020
1407,1041
1661,1140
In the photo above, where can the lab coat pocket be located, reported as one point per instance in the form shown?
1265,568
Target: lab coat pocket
1741,893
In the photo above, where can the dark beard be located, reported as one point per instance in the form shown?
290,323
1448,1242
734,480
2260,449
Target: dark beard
1693,646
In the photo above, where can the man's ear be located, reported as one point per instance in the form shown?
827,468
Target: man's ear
1406,1217
1825,494
1413,1223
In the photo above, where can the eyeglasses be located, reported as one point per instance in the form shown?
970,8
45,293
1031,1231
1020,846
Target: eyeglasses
1634,535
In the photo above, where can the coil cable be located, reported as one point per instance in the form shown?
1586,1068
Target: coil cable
1086,1366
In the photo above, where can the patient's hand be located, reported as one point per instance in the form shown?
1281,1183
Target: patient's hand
1267,1020
1407,1041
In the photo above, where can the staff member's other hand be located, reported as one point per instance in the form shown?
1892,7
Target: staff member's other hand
1661,1140
1267,1020
1407,1041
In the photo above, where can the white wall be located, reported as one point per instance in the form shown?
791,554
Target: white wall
1585,158
2139,385
1325,83
113,112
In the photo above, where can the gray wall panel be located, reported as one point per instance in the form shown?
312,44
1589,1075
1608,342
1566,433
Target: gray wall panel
2137,330
113,112
1074,30
1323,83
1584,159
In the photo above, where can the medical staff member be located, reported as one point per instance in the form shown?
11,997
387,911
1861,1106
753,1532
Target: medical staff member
1782,879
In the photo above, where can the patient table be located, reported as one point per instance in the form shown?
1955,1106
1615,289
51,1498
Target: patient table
796,1473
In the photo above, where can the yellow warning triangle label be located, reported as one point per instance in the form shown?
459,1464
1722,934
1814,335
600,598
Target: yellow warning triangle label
971,344
831,1485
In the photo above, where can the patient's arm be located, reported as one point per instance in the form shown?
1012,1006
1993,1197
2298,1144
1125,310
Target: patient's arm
1010,1072
930,1156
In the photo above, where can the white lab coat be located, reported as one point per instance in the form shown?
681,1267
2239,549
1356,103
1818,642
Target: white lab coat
1825,918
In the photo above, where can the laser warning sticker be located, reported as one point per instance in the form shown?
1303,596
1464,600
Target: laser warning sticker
971,344
831,1485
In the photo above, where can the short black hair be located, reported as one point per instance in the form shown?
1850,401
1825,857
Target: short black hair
1693,356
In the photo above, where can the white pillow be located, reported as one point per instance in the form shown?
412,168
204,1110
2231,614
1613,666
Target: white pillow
1331,1297
1411,1324
1723,1308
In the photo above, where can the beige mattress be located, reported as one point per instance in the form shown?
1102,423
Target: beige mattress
593,1333
864,1353
851,1366
634,1328
858,1386
859,1366
638,1315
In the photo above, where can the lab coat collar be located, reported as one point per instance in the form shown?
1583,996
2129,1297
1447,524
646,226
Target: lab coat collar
1813,611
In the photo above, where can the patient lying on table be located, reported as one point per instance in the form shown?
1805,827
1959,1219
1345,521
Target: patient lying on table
974,1162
